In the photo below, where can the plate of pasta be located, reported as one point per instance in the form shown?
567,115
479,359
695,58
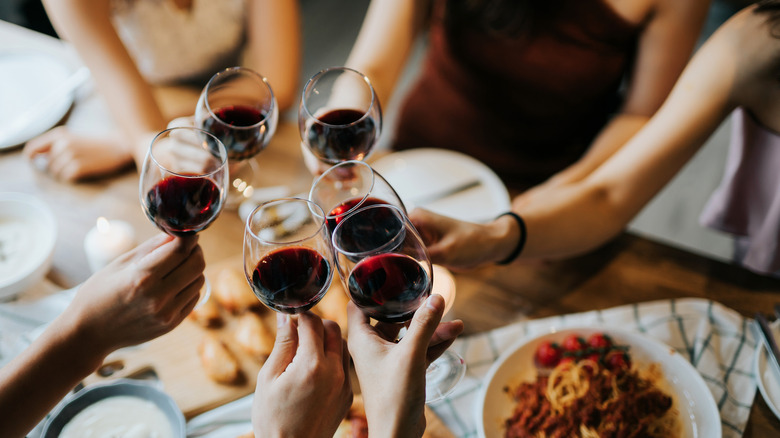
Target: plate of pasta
595,382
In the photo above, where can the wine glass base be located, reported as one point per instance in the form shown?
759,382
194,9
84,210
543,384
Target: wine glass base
443,375
242,182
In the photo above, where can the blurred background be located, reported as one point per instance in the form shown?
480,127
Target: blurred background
331,26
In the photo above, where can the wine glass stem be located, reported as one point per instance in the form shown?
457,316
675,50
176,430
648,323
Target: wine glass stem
205,293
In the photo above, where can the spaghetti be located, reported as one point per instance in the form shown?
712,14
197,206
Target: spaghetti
585,398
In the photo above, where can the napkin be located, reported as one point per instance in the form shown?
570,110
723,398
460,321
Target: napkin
715,339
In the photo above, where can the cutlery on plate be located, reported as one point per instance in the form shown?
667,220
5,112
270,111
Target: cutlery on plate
444,193
23,120
769,339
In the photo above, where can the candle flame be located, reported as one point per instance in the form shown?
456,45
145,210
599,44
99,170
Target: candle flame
103,225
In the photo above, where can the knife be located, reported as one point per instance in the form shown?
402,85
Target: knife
769,340
444,193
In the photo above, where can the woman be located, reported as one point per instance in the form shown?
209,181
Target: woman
133,46
531,88
736,69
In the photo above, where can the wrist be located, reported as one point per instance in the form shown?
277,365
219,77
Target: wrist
509,234
77,347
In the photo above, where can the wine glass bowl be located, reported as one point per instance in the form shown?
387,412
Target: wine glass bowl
288,260
383,262
183,180
339,117
348,186
238,106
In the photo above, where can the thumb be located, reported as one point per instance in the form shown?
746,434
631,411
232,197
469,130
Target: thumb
179,122
285,346
424,324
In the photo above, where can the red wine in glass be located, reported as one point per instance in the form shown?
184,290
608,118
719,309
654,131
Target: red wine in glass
339,212
291,279
182,205
246,141
389,287
341,135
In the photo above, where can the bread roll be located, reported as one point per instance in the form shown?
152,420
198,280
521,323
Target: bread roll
232,291
254,336
218,362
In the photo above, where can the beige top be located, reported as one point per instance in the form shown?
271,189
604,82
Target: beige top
169,44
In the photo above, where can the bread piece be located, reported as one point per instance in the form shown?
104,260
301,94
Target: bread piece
218,362
254,336
207,314
333,306
232,291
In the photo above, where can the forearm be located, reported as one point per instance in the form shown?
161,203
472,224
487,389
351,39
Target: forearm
130,99
277,21
36,380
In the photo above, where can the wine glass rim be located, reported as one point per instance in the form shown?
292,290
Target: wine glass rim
222,153
382,248
251,72
248,226
328,70
362,200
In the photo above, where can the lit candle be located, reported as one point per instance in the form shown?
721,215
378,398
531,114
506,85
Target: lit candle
106,241
444,285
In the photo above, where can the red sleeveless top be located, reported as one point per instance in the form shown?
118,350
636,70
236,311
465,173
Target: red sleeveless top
527,106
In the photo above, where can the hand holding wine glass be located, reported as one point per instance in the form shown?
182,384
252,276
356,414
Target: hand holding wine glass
288,260
183,179
387,272
339,117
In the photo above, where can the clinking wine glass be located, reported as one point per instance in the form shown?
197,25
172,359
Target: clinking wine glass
348,186
238,106
183,180
387,272
339,117
288,260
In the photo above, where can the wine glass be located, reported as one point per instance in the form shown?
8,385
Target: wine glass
347,186
288,260
339,117
183,180
385,268
238,106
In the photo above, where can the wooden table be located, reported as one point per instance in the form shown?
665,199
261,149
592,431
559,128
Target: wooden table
630,269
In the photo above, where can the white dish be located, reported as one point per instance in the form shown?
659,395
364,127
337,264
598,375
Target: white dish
420,174
767,376
28,231
26,77
691,396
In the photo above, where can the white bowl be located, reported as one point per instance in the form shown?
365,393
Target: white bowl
76,403
28,231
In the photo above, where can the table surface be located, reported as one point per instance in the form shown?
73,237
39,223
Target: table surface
629,269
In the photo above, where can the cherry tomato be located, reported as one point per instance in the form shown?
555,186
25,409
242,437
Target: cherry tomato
600,340
617,360
573,343
548,354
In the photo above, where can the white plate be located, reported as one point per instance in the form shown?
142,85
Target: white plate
26,77
766,375
28,232
691,396
417,174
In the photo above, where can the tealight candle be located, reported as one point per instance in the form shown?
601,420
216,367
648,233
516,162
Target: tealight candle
444,285
106,241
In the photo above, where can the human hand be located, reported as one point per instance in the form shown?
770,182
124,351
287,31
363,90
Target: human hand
303,389
462,245
139,296
71,156
392,375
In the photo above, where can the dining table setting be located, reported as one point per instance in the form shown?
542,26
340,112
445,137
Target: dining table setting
687,316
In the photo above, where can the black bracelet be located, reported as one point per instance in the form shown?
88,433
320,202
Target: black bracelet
520,241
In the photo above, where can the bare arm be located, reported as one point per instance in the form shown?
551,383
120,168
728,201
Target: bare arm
385,40
275,46
579,216
664,47
87,24
141,295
